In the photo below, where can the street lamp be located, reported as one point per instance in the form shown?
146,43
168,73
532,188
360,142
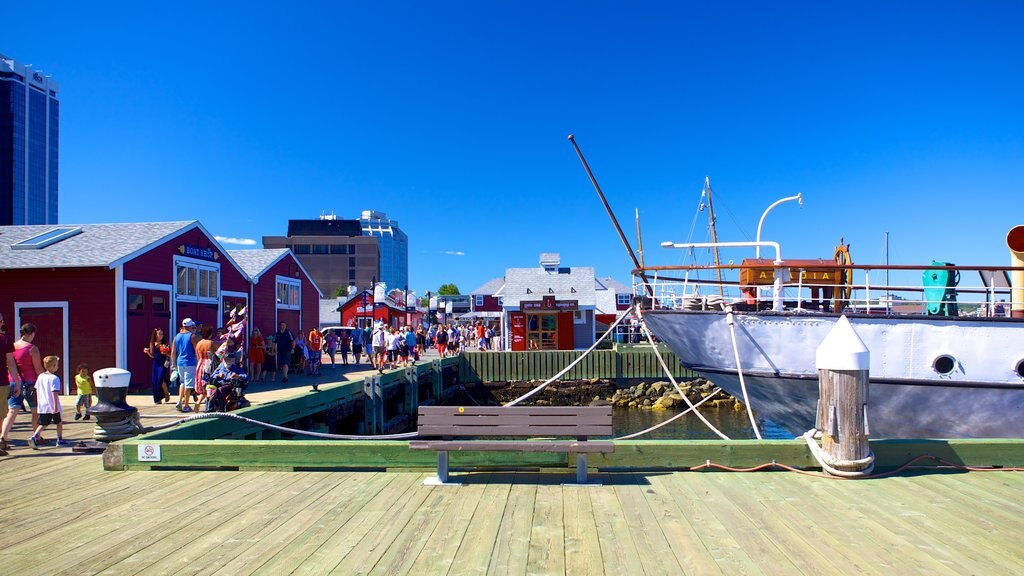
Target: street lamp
429,321
373,295
365,302
799,198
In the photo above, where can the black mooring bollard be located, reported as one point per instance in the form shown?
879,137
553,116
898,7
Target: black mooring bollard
115,419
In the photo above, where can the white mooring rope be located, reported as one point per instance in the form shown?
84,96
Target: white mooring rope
739,370
205,415
828,464
573,363
672,419
668,372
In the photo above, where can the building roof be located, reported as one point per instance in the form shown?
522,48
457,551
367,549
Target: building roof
609,283
490,288
98,245
256,262
563,283
329,314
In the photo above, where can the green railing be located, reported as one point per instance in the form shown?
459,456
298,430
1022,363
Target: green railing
621,364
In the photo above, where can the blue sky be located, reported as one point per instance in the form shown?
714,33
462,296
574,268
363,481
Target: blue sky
452,117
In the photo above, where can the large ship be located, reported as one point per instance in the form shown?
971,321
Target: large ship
946,357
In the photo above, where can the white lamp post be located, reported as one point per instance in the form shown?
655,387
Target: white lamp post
799,198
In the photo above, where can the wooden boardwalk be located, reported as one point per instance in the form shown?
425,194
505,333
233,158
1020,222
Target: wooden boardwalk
71,517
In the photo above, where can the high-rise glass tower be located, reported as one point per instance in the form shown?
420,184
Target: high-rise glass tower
394,248
29,137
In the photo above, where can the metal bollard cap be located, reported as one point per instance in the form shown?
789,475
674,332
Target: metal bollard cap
842,349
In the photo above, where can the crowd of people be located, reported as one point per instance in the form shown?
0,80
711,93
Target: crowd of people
450,339
195,362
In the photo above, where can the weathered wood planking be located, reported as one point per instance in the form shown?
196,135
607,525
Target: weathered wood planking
388,523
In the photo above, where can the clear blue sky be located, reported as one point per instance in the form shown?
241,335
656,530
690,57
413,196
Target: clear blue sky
452,117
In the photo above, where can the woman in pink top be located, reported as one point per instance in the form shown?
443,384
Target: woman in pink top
30,366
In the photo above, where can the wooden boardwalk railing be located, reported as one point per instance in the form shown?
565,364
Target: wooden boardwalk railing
622,364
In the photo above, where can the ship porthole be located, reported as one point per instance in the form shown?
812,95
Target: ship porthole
1020,368
945,364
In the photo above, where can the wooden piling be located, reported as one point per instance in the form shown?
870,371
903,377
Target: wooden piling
843,363
842,414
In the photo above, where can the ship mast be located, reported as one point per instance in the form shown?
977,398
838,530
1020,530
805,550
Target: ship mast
714,234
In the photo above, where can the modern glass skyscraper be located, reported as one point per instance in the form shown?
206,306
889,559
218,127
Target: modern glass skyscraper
394,248
29,137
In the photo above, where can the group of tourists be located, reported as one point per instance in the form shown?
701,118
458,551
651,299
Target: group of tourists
29,383
394,347
451,339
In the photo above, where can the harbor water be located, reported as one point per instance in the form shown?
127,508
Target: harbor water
732,423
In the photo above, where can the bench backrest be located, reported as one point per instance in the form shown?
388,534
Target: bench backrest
515,421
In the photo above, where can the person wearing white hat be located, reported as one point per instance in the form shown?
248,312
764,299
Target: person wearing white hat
184,361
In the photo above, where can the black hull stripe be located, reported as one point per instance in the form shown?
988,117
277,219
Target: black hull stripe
887,381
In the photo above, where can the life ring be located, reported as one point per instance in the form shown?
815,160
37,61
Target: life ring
844,283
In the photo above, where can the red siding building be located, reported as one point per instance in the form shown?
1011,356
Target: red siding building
282,290
359,308
96,291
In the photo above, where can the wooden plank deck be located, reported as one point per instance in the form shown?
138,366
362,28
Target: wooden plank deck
74,518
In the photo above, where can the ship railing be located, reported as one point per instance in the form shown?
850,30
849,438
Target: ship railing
982,291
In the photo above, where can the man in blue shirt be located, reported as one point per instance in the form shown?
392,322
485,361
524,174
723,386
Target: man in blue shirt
357,342
183,359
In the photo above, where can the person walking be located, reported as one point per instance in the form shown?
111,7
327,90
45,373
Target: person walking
421,341
10,382
29,365
158,351
256,356
204,364
183,360
331,342
442,341
84,386
48,395
284,341
357,344
270,364
379,348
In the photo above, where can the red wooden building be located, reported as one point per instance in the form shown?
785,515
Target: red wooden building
359,310
96,291
282,290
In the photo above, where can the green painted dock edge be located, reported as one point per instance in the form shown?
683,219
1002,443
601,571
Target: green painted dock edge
307,403
622,364
632,455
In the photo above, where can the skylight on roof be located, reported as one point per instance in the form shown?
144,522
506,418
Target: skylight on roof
45,239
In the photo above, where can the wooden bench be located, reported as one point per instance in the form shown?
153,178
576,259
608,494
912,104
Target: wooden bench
456,426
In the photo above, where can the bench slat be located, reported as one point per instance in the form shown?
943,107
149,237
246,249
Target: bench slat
514,430
543,446
505,419
498,410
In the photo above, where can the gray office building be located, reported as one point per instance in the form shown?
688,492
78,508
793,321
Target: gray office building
394,248
29,138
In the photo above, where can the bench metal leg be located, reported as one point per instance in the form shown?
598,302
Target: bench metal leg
442,472
581,473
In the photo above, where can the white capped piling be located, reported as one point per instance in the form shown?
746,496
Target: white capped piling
843,363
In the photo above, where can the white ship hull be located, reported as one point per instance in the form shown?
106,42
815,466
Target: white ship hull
981,397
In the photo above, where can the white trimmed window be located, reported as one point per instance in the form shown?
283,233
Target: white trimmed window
289,293
622,299
478,300
196,282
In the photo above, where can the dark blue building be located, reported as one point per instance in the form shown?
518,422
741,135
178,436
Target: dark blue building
29,130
